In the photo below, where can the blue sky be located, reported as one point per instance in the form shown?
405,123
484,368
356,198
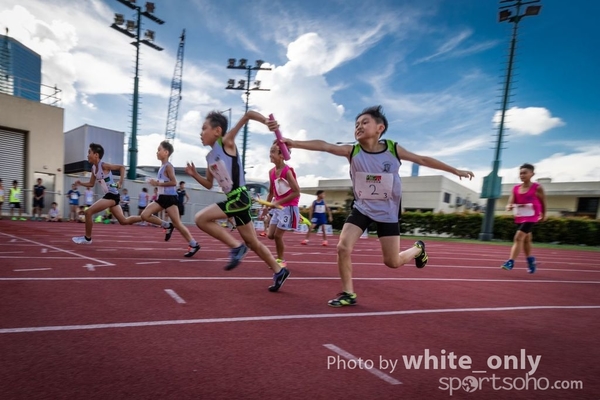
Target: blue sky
435,65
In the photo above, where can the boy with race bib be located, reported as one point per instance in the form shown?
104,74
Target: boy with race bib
528,203
102,172
374,166
224,166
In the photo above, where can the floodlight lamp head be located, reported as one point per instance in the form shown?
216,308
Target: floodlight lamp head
230,83
504,15
119,19
149,35
150,7
243,62
231,63
130,25
259,63
533,10
241,84
257,84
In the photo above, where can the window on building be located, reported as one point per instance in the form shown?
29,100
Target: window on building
588,205
447,197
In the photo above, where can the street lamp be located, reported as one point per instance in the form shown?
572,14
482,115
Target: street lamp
492,184
244,84
133,29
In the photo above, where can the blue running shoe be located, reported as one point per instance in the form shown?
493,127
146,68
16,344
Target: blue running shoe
279,279
235,256
531,266
508,265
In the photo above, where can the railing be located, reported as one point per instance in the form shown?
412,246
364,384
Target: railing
26,88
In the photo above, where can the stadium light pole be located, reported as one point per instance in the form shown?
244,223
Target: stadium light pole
245,85
131,27
492,184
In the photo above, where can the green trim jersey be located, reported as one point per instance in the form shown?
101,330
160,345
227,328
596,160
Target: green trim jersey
226,169
376,183
106,180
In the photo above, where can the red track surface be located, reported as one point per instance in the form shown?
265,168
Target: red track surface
96,322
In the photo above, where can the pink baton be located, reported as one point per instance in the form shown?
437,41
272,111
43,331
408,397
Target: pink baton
280,142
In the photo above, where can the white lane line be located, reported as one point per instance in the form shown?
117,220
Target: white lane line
59,249
12,252
305,278
285,317
147,262
175,296
359,362
31,269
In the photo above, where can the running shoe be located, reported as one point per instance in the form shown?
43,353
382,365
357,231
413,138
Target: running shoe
508,265
343,299
305,241
192,250
169,232
324,243
81,240
531,265
235,256
421,259
279,279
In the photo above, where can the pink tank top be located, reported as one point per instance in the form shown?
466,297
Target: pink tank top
526,199
281,186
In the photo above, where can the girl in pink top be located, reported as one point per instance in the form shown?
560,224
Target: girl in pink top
284,193
528,203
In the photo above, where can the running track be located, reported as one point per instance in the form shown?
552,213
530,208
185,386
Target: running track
129,318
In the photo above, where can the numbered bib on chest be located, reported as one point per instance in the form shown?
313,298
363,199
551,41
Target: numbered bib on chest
282,186
373,186
74,196
320,209
523,210
220,173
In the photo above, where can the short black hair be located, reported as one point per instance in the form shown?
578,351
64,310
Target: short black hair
216,119
319,192
98,149
527,166
182,183
167,146
377,113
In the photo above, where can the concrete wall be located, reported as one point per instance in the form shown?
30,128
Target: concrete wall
44,139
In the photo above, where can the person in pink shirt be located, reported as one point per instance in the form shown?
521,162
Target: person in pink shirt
528,203
284,191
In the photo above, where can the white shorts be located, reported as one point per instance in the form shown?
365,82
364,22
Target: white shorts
287,218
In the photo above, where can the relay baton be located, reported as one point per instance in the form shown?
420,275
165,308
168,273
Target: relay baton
266,203
280,142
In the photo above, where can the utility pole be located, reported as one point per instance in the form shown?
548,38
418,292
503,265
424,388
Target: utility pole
492,184
245,85
130,27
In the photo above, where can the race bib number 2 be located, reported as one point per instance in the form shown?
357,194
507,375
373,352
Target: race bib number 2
374,186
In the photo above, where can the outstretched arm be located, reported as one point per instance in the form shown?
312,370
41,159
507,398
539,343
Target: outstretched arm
431,163
229,138
343,150
542,197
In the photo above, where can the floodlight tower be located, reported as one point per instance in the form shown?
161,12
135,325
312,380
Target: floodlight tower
492,184
133,29
245,85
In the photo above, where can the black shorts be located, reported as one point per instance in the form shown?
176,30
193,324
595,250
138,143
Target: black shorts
38,203
525,227
181,208
125,207
166,201
238,206
363,222
114,197
15,205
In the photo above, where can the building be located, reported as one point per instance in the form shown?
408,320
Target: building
77,142
434,193
20,70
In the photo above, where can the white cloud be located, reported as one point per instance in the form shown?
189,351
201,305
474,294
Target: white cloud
528,121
